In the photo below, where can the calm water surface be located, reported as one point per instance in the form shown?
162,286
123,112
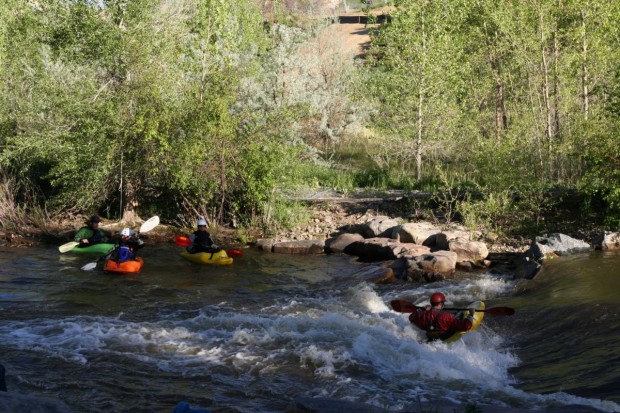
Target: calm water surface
252,336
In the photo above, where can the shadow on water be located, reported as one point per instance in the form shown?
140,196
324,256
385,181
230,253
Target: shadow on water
566,334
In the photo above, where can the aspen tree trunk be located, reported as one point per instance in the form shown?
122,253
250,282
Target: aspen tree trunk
131,205
418,152
223,186
501,119
556,79
546,99
584,67
557,163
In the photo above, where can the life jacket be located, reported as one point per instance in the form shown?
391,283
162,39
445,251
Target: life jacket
96,238
433,334
124,253
202,238
431,325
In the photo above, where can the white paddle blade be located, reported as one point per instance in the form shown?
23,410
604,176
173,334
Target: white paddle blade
90,266
149,224
68,246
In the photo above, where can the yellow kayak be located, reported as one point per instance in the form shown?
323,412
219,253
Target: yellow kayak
478,316
213,258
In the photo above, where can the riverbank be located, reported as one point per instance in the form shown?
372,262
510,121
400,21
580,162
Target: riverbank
326,220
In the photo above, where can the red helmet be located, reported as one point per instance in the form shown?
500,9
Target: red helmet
438,298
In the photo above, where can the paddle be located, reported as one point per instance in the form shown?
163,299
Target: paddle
403,306
68,246
234,253
182,241
145,227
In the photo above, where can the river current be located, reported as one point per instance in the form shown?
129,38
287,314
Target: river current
252,336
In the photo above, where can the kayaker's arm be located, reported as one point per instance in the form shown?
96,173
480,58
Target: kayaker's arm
456,324
83,235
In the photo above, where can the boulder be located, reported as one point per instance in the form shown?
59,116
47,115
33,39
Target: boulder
338,244
539,252
466,250
531,261
562,244
265,244
382,249
442,240
606,241
527,268
431,267
380,226
399,267
410,250
422,233
372,249
303,247
375,274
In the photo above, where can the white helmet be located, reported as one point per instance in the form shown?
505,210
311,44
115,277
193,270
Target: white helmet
127,232
202,221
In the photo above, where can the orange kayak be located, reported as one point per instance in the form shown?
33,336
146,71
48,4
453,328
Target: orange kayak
124,267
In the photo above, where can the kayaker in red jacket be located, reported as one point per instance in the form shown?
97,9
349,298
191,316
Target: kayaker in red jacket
438,324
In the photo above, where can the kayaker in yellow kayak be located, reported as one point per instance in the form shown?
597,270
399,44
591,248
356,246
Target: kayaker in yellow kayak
201,239
439,324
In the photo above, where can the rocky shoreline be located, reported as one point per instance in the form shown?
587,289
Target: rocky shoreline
388,231
420,251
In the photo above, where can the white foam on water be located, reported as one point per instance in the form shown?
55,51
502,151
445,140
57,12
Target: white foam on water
459,292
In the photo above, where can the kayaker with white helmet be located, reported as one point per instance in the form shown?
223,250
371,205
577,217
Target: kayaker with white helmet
437,323
126,246
90,234
201,239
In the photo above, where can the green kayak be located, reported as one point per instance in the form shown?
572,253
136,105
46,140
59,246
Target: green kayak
93,249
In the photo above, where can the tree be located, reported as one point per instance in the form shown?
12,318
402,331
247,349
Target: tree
418,80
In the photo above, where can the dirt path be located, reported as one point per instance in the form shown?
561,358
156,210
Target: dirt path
355,37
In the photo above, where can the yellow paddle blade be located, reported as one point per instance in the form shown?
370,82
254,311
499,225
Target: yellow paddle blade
68,246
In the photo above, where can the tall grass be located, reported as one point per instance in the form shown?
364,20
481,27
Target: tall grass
18,206
11,213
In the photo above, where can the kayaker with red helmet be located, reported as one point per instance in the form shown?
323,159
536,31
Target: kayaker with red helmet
437,323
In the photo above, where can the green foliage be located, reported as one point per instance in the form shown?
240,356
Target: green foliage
321,176
197,107
262,169
492,212
285,215
601,180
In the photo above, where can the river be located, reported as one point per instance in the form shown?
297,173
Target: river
252,336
